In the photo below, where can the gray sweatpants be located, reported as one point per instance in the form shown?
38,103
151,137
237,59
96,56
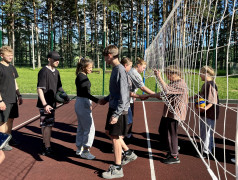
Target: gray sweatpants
86,129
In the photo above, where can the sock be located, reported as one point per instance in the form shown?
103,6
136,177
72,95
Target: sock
128,152
118,167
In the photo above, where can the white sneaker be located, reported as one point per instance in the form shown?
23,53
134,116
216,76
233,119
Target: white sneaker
112,173
79,151
233,160
87,155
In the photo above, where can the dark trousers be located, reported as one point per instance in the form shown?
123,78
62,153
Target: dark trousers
130,125
172,138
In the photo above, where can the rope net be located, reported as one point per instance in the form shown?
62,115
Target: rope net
198,34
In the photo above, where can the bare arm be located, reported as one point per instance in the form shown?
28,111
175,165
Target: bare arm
147,90
20,100
42,98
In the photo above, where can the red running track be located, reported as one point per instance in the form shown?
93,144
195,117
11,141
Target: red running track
25,161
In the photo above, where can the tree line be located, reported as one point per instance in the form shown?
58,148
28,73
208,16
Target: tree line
80,28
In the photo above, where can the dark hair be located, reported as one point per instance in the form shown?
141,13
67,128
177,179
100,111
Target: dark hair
82,64
125,60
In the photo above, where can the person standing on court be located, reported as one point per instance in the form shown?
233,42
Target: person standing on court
48,84
119,102
9,93
137,83
83,108
175,108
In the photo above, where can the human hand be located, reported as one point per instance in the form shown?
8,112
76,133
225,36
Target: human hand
20,100
102,101
48,108
113,120
157,73
2,106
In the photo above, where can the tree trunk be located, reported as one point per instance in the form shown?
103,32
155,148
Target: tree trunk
120,30
137,27
78,26
131,33
37,35
147,24
104,25
85,33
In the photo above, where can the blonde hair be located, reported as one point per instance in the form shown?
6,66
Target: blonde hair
82,64
139,61
209,70
125,60
6,49
173,69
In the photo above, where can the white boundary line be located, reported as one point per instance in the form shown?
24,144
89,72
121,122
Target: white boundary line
152,168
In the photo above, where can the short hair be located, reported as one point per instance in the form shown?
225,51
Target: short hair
125,60
111,49
173,69
139,61
6,49
209,70
82,64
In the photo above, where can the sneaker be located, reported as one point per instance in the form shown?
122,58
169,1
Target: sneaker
233,160
4,139
112,173
7,147
79,151
14,142
48,152
171,160
87,155
128,158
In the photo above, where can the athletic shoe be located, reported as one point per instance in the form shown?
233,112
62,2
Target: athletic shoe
233,160
4,139
128,158
79,151
112,173
87,155
14,142
7,147
48,152
171,160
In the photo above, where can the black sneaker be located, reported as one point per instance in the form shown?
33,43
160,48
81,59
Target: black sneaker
171,160
14,142
47,152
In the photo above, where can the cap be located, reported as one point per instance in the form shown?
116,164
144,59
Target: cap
54,55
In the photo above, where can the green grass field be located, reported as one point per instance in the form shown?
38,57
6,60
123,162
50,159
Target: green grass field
27,82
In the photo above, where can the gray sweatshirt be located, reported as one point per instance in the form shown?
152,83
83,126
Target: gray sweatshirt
119,97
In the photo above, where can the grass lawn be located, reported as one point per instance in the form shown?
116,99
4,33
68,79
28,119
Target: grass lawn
27,82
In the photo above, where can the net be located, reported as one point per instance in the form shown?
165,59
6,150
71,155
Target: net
200,33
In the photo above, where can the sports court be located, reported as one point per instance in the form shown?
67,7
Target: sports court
26,162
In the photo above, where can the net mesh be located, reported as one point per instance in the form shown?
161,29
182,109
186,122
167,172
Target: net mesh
201,33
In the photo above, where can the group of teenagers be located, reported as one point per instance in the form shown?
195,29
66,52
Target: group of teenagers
124,83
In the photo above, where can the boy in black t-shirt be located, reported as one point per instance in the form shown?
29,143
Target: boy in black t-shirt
48,84
8,92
